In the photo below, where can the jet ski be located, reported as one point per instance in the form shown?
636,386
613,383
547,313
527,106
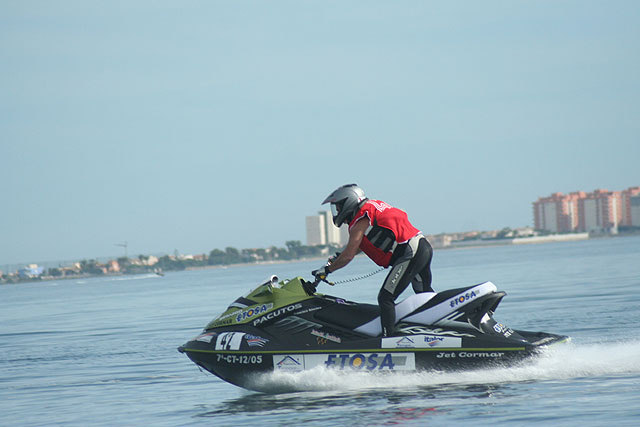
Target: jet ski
286,326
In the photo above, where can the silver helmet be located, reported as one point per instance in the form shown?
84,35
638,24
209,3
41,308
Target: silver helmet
345,202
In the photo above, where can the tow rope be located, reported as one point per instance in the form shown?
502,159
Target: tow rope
353,279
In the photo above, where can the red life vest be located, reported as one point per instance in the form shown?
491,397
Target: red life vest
388,227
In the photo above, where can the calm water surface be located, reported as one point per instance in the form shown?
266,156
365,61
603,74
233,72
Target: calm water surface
102,351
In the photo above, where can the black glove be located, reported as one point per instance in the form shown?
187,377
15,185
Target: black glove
321,273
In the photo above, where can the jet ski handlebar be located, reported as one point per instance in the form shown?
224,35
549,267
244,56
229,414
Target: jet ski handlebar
322,279
310,287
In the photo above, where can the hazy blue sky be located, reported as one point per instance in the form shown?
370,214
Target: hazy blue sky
195,125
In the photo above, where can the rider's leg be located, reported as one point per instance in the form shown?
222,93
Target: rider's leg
396,282
422,280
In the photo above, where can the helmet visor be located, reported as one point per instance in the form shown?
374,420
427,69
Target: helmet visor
335,209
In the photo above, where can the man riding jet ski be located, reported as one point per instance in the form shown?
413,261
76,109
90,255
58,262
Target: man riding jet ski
385,234
286,326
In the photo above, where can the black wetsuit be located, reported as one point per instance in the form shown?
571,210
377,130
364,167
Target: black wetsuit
411,262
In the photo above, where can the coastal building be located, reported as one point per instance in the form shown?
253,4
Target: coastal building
628,198
344,235
322,231
598,211
30,271
557,213
113,266
635,211
316,234
440,240
332,232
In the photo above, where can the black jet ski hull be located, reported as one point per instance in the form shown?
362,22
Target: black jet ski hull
281,328
241,367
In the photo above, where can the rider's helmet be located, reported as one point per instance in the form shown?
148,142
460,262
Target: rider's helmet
345,202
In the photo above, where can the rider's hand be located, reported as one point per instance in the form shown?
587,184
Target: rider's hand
321,273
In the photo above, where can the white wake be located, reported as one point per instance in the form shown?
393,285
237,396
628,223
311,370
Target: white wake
559,362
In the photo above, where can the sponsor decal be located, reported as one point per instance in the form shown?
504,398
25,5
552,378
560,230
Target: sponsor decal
276,313
502,329
421,341
380,206
404,342
326,336
371,361
205,337
255,341
253,311
288,362
240,359
308,310
433,341
229,340
436,331
462,299
397,275
470,355
346,361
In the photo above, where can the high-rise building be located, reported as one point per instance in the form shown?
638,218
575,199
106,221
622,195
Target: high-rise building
600,210
628,197
557,213
316,234
333,232
635,211
322,231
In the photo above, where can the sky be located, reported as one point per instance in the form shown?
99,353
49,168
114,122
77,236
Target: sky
194,125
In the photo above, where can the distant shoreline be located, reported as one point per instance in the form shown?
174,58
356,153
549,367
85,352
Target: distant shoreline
519,241
470,244
244,264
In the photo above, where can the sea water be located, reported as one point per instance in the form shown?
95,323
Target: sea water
102,351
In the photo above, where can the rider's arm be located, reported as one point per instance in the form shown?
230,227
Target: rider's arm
353,246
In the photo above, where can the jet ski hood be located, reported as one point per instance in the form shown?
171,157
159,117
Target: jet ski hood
269,300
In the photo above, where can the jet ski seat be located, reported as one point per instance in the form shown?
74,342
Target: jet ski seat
403,309
365,318
347,315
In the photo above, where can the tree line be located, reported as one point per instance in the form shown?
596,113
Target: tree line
294,250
